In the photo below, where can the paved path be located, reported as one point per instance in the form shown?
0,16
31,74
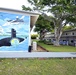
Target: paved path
37,54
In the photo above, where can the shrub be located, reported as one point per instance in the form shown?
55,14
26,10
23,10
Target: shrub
34,36
48,42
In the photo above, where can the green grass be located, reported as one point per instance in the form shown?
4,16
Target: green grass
38,66
61,48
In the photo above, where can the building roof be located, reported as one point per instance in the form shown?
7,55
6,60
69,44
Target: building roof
34,16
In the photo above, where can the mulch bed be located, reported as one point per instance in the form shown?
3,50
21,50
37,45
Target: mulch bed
40,48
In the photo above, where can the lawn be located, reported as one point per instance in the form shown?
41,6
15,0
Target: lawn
62,48
38,66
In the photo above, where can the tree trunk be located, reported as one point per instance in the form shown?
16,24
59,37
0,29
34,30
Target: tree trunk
41,36
56,43
58,33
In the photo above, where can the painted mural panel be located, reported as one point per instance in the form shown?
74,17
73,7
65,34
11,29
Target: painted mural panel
14,32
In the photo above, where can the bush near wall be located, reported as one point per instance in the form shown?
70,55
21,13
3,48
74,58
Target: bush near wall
34,36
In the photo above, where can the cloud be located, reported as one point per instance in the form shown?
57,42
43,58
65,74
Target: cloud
1,30
1,22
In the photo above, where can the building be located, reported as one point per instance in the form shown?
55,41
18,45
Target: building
15,29
68,37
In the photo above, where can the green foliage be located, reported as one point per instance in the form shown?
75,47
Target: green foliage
64,12
61,9
68,28
34,36
48,42
26,8
43,24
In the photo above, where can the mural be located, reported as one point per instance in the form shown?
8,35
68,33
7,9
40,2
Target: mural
14,32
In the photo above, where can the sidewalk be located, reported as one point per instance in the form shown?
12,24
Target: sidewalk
37,54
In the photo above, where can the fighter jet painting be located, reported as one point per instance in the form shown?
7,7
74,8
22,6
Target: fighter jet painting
17,21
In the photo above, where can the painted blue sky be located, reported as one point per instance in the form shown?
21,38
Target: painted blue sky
8,21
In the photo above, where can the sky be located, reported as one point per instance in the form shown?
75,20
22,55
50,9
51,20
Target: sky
13,4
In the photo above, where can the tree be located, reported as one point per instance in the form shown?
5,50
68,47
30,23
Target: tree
68,28
64,12
42,26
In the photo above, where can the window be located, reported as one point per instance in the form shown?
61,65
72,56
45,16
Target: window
66,33
72,33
